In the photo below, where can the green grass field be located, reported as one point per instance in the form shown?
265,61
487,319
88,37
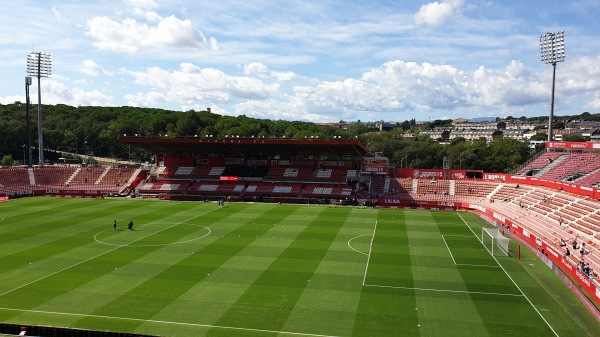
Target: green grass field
193,269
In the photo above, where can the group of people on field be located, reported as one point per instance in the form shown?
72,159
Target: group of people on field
129,225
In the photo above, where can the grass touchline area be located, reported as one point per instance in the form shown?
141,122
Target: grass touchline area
168,322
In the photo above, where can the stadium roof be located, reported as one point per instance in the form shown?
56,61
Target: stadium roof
249,147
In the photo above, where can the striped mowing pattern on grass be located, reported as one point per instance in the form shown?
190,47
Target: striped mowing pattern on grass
193,269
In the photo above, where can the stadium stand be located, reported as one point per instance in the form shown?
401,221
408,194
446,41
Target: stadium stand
14,179
51,177
68,179
544,159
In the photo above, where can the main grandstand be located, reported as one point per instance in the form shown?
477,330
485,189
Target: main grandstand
553,197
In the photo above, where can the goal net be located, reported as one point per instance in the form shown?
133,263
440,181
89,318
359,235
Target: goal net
494,241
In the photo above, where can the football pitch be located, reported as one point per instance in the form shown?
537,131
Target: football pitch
196,269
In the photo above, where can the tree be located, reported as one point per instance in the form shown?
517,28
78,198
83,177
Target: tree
7,160
457,140
539,136
505,155
357,128
405,125
573,137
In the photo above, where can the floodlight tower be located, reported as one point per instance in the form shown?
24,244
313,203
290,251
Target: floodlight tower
552,51
39,65
27,107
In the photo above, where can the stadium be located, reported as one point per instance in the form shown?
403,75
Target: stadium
314,237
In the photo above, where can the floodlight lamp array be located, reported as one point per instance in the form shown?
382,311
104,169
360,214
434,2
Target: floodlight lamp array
39,64
552,47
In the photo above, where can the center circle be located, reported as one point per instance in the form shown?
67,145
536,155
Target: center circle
100,238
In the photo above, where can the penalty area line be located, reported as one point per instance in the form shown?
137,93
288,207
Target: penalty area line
443,290
466,264
477,265
291,333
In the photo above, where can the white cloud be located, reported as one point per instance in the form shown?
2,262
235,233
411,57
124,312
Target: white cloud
130,35
255,68
595,102
55,92
191,84
12,99
437,13
392,88
214,44
57,14
407,86
142,4
286,76
91,68
292,108
144,9
110,35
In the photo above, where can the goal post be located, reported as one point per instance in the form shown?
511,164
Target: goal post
494,241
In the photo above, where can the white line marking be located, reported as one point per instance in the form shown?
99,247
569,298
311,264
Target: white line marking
369,256
465,264
356,250
420,223
166,322
93,257
513,281
443,290
33,211
154,245
449,250
477,265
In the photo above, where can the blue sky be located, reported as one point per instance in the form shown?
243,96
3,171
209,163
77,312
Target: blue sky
318,61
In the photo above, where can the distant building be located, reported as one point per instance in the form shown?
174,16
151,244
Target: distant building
470,135
518,134
386,126
459,121
338,125
437,134
476,126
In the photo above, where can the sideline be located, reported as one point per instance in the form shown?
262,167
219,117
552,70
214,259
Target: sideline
166,322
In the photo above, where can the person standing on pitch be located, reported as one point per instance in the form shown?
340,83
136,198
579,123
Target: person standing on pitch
114,225
130,226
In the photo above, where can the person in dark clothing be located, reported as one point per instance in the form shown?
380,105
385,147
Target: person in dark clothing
115,225
130,226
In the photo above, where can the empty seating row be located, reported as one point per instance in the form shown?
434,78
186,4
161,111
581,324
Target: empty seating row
274,173
540,162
